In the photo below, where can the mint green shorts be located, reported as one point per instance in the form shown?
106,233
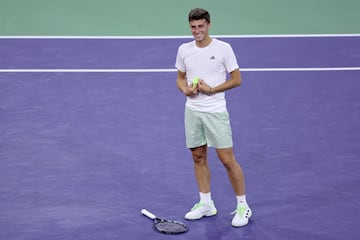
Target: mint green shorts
202,128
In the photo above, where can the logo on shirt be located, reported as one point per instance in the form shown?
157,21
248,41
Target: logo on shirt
212,58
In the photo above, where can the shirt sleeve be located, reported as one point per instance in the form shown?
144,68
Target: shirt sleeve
179,64
230,59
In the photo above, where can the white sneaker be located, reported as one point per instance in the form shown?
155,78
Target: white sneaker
201,210
242,216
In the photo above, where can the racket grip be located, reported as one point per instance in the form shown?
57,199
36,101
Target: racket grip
148,214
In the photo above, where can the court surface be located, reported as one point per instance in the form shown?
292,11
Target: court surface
91,128
91,132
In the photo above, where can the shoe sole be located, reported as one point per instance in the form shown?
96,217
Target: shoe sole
206,215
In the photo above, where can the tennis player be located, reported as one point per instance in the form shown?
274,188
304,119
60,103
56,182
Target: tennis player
207,122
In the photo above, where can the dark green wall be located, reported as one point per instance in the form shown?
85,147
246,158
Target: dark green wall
169,17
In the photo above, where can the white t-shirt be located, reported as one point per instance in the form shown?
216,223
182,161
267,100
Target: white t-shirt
211,64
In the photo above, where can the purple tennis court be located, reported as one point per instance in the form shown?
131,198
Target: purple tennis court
83,152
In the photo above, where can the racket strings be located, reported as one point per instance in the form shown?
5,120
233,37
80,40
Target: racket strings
173,227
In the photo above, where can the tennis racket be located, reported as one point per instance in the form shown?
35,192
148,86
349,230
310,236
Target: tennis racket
165,226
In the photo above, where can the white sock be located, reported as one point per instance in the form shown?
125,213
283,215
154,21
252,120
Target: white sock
205,197
241,200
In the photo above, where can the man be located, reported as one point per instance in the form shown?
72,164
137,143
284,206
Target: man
207,121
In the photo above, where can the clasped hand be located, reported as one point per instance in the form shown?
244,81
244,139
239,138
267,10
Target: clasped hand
201,87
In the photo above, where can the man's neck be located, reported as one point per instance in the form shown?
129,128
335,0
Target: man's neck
204,43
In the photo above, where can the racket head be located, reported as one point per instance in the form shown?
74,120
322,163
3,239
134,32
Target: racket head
169,226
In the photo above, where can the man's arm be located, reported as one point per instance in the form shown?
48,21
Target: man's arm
181,83
234,81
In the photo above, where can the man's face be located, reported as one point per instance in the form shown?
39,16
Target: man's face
199,29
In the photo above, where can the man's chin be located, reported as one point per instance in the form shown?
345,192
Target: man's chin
199,38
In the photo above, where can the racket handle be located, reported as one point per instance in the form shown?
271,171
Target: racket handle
148,214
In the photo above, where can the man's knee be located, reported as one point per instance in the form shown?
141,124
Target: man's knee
227,157
199,154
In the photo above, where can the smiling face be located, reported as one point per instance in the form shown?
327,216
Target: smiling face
200,31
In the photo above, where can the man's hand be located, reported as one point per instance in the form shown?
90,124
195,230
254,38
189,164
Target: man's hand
203,87
190,90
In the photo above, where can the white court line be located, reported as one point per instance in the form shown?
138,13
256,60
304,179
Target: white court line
188,36
87,70
172,70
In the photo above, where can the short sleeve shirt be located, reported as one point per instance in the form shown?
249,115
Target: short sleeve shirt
211,64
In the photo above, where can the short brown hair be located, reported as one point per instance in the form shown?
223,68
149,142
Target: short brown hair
199,13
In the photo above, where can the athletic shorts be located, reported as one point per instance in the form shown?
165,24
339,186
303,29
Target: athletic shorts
203,128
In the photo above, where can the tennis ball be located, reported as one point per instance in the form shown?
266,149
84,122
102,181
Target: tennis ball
195,81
